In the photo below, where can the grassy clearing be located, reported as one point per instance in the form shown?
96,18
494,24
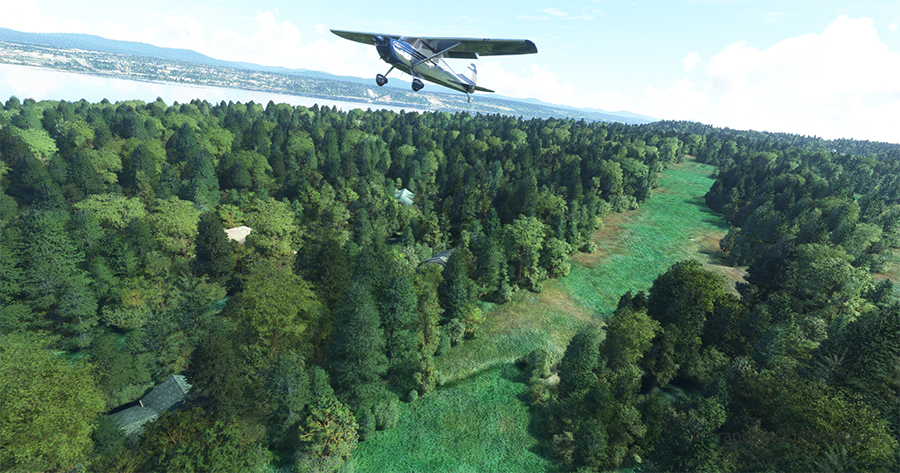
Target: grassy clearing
635,247
893,272
477,421
478,424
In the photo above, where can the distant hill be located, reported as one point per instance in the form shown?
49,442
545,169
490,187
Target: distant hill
96,43
129,48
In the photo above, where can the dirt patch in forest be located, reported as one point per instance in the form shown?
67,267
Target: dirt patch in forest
530,310
893,270
606,239
708,245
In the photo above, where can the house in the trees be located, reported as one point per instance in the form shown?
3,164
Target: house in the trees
239,234
404,196
440,258
162,398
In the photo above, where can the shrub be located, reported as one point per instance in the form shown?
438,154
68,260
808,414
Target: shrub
367,423
387,412
538,362
412,396
506,292
443,344
455,330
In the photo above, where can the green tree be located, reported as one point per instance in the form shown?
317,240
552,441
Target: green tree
524,239
194,440
685,296
218,370
357,350
275,232
398,305
581,358
328,436
113,210
184,147
51,260
48,407
174,224
122,373
203,187
279,311
213,250
288,387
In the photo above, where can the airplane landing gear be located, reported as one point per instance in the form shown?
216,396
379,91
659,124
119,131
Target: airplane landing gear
380,79
417,85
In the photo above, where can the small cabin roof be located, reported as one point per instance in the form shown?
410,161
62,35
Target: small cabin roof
404,196
163,396
440,258
132,420
167,393
239,234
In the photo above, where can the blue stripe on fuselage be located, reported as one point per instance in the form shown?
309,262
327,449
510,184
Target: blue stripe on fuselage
407,48
453,81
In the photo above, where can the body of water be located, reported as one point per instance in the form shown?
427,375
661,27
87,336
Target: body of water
49,84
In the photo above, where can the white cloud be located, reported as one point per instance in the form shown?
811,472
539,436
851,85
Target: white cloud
26,15
690,61
564,15
183,32
893,26
540,83
536,83
319,28
841,82
554,12
682,101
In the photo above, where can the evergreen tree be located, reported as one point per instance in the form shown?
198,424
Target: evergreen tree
213,250
357,351
218,370
582,355
49,407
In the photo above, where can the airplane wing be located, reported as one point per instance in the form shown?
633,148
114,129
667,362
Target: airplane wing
364,38
471,48
465,48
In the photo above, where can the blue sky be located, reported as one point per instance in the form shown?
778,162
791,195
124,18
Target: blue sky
825,68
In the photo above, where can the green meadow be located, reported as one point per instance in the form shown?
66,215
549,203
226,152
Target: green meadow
479,419
675,224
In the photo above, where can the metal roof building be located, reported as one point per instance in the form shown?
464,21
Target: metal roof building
440,258
404,196
160,399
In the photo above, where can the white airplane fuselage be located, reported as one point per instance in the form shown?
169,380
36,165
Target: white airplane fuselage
417,61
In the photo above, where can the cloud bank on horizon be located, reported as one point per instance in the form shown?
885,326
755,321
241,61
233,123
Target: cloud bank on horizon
838,77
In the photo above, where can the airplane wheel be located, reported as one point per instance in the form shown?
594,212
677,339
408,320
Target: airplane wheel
380,80
417,85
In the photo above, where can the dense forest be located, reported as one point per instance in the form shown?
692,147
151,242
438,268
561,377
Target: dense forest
800,372
116,273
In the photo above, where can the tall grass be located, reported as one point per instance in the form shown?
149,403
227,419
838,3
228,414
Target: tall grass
478,420
477,424
669,227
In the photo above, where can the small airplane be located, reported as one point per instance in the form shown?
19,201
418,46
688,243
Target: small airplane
422,57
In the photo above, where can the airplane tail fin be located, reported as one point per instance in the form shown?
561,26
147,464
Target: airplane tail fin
473,77
473,74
